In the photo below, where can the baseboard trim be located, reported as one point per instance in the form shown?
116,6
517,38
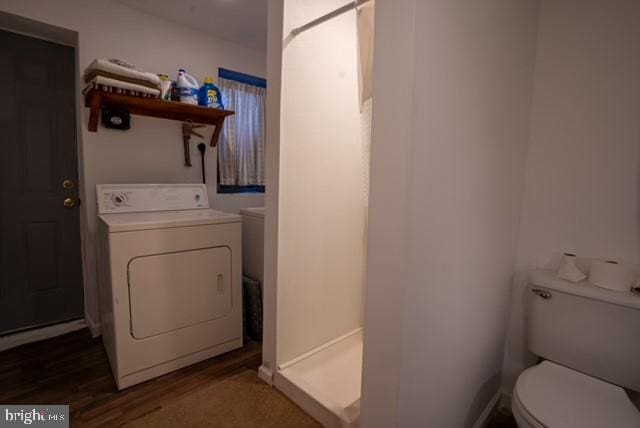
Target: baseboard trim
94,327
484,417
265,374
35,335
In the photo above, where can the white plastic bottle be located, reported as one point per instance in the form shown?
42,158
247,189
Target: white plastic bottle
188,87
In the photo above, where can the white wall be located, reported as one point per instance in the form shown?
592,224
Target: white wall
472,78
152,150
388,204
270,296
321,215
582,187
582,181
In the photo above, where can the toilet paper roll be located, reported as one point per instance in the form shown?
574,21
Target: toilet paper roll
569,270
610,275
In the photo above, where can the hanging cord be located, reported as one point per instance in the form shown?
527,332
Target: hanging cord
202,147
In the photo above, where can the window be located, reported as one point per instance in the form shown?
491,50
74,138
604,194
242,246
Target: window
241,151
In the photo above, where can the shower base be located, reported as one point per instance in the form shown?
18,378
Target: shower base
326,381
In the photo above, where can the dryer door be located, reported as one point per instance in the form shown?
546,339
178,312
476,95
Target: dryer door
168,292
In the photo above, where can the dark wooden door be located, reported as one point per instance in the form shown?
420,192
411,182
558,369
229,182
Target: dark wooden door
40,259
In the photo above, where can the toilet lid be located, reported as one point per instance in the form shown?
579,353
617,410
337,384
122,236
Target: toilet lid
559,397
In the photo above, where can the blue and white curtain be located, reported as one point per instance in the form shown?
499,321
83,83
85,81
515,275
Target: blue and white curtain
241,152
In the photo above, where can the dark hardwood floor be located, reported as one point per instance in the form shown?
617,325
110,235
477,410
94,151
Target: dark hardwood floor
73,369
502,418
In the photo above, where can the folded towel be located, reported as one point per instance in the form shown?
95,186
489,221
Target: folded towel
100,81
94,73
120,69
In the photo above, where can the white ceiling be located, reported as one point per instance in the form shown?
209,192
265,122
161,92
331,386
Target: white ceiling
240,21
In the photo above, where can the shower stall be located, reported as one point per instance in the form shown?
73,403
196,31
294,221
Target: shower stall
319,116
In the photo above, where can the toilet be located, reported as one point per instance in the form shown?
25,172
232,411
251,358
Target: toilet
588,341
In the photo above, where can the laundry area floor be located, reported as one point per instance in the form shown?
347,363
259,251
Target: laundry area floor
73,369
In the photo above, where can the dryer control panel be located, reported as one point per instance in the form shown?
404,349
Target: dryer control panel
131,198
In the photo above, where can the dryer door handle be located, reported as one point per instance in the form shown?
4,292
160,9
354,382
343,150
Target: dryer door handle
220,283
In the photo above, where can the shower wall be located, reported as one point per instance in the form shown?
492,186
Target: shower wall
321,221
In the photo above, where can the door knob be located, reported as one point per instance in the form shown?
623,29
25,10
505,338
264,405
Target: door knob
69,203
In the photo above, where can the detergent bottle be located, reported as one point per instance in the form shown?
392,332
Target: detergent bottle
188,87
209,95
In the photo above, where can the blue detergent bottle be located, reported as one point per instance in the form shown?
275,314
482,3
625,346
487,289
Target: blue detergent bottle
209,95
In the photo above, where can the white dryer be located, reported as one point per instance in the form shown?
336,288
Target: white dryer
170,278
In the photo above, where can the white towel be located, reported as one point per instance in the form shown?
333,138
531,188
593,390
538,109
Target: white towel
110,66
100,80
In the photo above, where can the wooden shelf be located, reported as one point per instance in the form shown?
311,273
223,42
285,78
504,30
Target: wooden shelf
154,107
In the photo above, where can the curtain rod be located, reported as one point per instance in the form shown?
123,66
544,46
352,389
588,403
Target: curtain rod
346,8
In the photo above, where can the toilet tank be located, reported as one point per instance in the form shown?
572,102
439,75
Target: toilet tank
590,329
